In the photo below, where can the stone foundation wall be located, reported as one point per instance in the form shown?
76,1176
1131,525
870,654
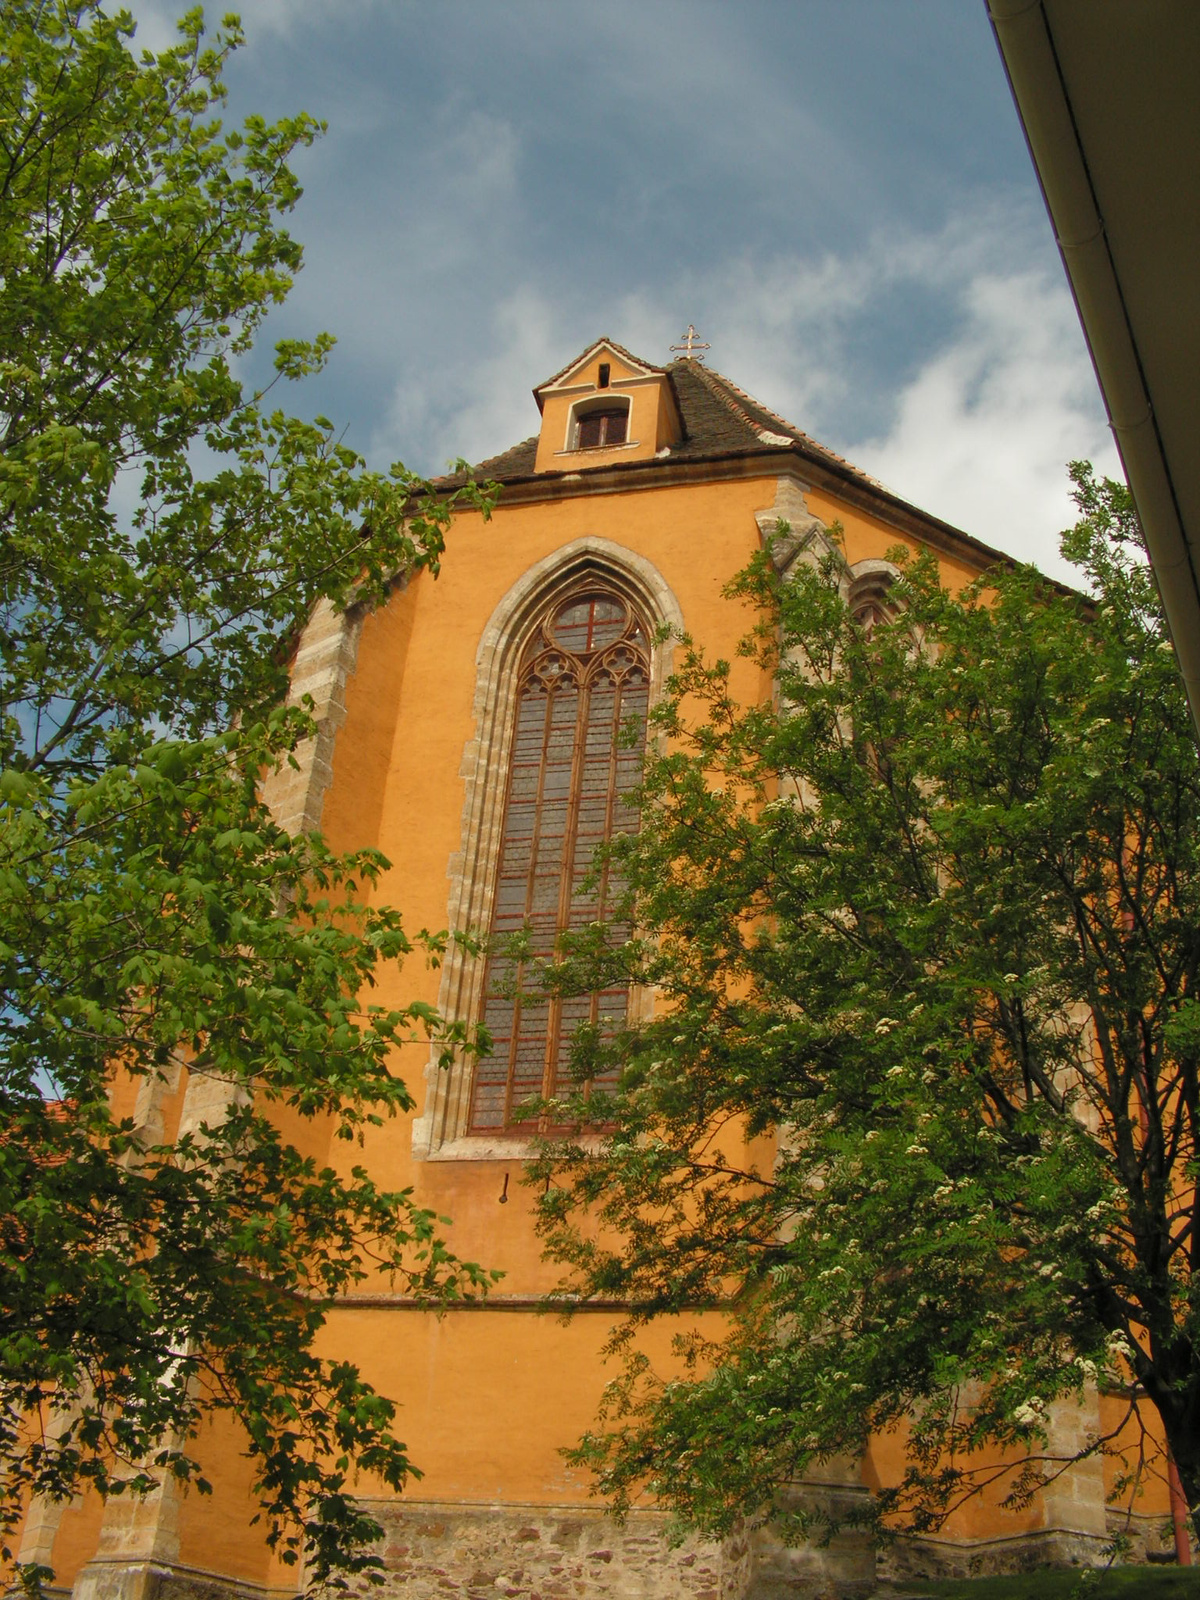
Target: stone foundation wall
1151,1538
906,1560
844,1568
432,1551
446,1551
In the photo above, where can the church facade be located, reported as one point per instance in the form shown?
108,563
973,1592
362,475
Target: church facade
468,729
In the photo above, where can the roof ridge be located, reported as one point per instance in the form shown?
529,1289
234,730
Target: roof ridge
703,396
719,385
758,404
798,433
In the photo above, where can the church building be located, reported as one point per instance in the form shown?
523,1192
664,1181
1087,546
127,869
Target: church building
468,729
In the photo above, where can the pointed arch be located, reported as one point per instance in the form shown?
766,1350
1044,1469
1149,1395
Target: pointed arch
868,592
512,691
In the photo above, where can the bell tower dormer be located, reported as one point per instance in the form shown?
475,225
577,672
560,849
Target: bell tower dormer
606,407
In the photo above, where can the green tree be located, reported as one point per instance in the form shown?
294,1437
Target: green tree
917,1109
164,534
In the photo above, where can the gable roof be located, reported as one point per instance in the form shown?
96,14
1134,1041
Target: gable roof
604,343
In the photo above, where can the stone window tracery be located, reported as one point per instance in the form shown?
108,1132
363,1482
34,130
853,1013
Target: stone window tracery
584,678
604,614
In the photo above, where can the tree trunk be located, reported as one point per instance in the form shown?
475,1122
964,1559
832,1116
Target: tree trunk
1184,1446
1179,1516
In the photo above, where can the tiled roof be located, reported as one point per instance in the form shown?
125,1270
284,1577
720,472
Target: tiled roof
722,423
515,462
719,419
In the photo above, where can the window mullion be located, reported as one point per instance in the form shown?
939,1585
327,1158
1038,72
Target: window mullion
530,876
609,810
566,888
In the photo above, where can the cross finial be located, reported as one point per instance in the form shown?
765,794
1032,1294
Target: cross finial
691,345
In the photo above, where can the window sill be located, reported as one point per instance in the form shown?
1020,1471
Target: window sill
600,449
503,1147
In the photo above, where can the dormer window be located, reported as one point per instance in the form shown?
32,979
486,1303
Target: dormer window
605,408
595,425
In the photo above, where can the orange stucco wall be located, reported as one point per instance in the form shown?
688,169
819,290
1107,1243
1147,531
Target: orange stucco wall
488,1397
870,537
1135,1472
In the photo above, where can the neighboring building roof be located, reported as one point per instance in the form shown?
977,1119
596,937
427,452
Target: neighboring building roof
1107,95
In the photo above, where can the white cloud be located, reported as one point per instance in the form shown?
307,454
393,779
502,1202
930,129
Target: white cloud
156,24
157,19
994,393
982,433
476,408
972,416
947,361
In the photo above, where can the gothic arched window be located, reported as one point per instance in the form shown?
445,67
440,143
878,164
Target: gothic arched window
870,600
584,676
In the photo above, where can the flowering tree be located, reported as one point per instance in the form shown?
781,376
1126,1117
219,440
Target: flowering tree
917,1108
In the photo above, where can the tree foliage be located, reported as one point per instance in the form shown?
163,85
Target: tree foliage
917,1108
163,535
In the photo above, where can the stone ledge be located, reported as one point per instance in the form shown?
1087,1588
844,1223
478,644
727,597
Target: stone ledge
1151,1538
117,1579
910,1558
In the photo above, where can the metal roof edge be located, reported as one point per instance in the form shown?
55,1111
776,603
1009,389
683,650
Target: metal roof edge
1026,44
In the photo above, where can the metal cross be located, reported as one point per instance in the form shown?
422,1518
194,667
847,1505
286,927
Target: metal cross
691,345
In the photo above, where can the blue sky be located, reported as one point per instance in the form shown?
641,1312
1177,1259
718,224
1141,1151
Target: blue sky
836,192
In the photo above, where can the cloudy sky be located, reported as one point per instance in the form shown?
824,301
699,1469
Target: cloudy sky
836,192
